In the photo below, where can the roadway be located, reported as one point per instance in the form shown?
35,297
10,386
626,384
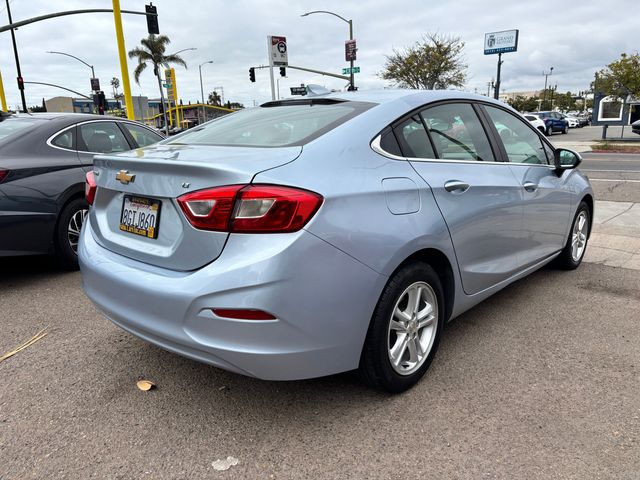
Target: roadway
615,177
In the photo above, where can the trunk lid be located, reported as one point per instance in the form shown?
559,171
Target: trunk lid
161,174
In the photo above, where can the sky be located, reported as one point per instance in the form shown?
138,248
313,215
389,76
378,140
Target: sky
577,38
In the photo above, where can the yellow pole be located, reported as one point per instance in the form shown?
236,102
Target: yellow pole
117,17
3,100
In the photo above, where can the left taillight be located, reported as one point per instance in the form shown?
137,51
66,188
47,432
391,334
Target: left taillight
90,187
250,208
3,174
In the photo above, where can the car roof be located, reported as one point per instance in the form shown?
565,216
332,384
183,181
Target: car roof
389,95
64,115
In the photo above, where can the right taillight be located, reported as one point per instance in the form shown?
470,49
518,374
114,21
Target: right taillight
90,187
250,208
3,174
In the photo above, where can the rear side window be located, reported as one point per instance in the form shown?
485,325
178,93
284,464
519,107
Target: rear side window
457,133
280,125
413,138
142,136
389,144
66,139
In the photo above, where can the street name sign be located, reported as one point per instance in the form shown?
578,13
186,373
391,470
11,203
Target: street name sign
347,71
501,42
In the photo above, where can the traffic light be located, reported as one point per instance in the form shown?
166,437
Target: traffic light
252,74
100,101
283,72
20,83
152,19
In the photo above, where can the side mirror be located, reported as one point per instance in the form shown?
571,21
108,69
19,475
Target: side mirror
565,159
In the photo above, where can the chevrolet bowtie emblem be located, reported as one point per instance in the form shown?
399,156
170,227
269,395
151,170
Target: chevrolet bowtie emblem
124,177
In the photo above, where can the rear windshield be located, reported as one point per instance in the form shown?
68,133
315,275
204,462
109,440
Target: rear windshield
276,125
10,126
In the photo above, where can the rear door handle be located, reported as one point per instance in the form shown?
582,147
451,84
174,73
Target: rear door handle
530,186
456,186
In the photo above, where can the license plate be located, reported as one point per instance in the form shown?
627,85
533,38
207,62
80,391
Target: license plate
140,215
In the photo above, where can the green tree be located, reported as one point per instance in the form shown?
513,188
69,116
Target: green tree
214,98
436,62
115,84
152,53
523,104
621,77
564,101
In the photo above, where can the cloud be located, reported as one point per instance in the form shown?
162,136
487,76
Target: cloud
575,38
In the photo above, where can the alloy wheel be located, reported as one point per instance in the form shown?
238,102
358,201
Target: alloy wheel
579,236
74,227
412,328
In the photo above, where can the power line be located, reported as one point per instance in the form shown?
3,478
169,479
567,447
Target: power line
5,8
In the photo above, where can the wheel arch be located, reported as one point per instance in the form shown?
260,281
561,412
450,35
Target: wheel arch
588,199
443,268
72,193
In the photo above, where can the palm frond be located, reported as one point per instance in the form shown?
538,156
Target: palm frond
173,58
139,69
140,54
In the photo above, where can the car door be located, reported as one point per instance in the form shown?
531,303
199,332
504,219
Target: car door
100,136
479,198
546,197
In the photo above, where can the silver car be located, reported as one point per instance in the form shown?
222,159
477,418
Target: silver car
335,232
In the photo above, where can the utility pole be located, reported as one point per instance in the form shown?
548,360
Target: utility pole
15,53
273,86
122,53
3,100
546,76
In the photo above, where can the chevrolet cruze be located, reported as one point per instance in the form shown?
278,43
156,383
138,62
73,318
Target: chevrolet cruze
334,232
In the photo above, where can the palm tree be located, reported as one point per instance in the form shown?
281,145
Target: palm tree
214,98
152,52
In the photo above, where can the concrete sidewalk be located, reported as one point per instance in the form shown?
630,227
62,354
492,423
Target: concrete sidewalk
615,238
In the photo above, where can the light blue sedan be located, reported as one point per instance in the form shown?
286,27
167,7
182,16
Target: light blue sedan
329,233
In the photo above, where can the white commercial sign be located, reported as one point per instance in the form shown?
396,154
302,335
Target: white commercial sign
501,42
278,51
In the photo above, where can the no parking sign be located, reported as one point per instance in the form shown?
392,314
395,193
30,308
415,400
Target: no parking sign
278,53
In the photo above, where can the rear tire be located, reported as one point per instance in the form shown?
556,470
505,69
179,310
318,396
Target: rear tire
405,330
68,233
573,252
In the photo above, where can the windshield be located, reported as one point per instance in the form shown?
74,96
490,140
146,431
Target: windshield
12,125
276,125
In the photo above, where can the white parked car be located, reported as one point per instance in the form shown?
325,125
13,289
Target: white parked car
536,122
573,121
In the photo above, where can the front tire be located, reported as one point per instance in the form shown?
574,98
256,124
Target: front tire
405,330
549,131
571,256
565,130
67,233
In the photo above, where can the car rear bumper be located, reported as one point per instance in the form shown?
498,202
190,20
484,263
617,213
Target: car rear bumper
322,299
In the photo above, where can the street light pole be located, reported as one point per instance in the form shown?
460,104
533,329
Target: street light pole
93,75
202,89
546,76
350,22
15,52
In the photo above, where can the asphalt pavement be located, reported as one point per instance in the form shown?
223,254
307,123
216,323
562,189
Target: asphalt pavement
614,177
540,381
